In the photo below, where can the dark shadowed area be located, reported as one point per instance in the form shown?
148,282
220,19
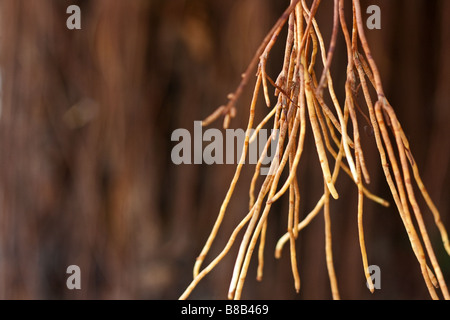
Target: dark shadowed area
86,175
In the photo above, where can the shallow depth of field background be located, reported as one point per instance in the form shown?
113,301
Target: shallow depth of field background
86,176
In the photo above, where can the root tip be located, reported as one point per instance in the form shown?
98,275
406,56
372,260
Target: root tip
277,254
447,248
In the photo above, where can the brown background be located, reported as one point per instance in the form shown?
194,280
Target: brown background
86,176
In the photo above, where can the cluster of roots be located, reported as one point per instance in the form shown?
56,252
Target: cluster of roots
301,99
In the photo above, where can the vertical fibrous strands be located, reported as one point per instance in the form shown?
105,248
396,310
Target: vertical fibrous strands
301,100
223,208
328,246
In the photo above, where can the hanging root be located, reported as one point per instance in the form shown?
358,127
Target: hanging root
299,101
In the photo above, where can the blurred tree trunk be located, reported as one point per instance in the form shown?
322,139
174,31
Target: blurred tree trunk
76,167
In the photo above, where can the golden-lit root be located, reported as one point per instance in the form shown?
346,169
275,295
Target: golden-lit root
362,243
301,100
296,209
262,242
298,154
318,139
411,197
291,226
261,124
281,242
211,266
224,206
398,134
257,171
403,205
305,222
294,266
246,248
247,236
214,116
423,190
328,247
